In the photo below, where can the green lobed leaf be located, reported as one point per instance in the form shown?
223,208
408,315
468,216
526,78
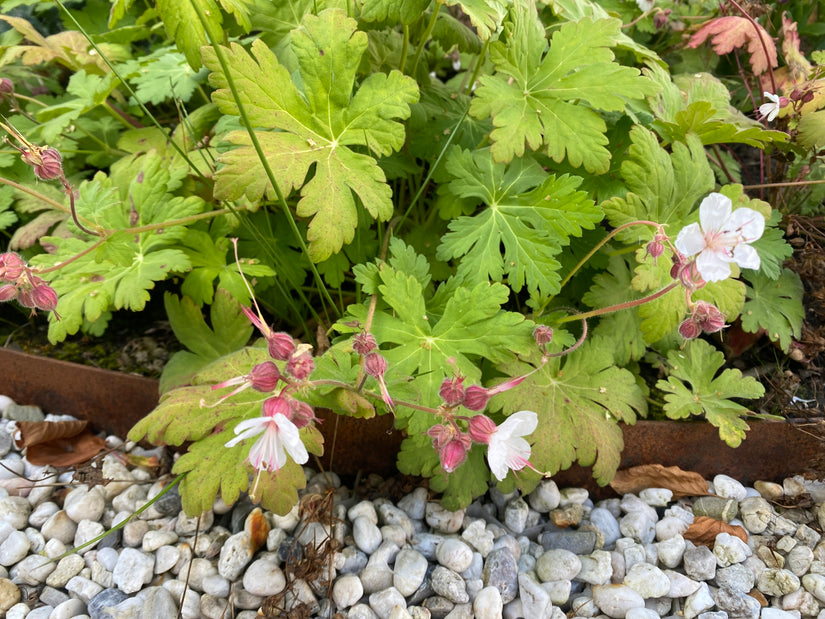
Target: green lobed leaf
530,213
812,130
710,395
315,124
180,18
535,96
404,11
774,305
485,15
579,398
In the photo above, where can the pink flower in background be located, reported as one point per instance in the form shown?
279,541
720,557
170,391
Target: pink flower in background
722,236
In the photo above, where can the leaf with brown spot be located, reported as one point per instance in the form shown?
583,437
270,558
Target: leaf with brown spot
59,443
704,530
681,483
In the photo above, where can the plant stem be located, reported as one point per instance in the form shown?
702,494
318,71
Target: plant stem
601,244
32,192
615,308
405,46
477,69
426,36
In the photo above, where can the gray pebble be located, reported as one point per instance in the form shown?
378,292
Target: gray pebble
577,542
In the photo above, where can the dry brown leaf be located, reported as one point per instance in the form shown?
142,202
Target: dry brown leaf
59,443
681,483
704,530
733,32
34,432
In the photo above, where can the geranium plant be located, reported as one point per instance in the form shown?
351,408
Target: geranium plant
498,222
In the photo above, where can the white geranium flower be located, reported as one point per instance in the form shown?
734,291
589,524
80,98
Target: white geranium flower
721,237
280,436
507,449
771,109
645,5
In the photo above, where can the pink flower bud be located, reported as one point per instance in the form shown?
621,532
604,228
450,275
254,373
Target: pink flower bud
375,365
281,345
655,248
454,453
264,377
300,366
690,329
476,398
11,267
273,406
481,428
708,316
8,292
543,335
363,343
44,297
441,435
301,413
6,87
452,390
47,162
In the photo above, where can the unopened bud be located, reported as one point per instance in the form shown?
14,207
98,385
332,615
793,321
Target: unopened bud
300,366
301,413
6,87
375,365
47,162
276,405
808,97
689,329
655,249
8,292
454,453
481,428
660,19
44,297
11,267
281,345
452,390
363,343
264,377
476,398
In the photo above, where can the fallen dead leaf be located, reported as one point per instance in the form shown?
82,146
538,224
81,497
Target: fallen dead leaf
59,443
681,483
704,530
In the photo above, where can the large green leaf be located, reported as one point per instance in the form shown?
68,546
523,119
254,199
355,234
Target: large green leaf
180,18
313,119
776,306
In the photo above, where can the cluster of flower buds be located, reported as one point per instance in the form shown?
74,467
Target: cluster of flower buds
18,282
704,318
375,364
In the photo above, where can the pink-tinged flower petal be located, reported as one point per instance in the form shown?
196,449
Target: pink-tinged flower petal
713,266
690,240
746,257
247,429
746,224
714,211
507,450
291,438
268,452
280,436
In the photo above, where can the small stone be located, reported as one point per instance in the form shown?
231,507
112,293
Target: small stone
815,584
641,613
442,520
83,588
85,504
9,595
42,513
770,557
670,526
477,535
488,604
776,613
410,570
235,555
799,560
639,525
670,551
165,558
376,578
756,514
728,488
454,554
647,580
133,570
515,515
607,524
384,602
577,542
716,507
597,568
698,602
15,510
567,516
449,585
807,536
656,497
347,590
366,534
67,568
558,590
33,570
414,504
558,564
729,549
87,530
777,582
214,584
736,577
14,548
802,602
264,578
615,600
438,606
155,539
53,597
769,490
500,571
786,544
737,604
545,497
680,585
535,600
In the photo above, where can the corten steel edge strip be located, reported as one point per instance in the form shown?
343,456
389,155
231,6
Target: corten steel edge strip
114,402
